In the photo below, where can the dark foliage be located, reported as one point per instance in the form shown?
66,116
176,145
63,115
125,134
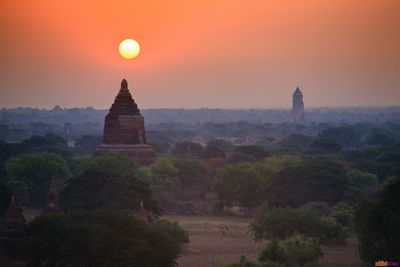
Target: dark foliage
101,239
308,181
257,152
377,225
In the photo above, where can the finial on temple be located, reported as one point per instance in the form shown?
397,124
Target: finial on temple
124,84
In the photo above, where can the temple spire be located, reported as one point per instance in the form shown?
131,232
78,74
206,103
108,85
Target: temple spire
124,87
124,84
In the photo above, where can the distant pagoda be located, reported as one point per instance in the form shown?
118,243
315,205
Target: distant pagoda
13,220
52,206
298,107
124,130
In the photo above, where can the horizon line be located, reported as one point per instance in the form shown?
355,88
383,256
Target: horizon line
196,108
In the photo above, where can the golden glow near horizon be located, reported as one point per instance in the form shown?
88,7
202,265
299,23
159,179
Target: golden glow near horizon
129,49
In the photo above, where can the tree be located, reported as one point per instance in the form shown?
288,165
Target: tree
238,157
325,146
223,145
257,152
314,180
344,136
102,238
242,184
294,251
187,149
344,214
29,176
360,179
378,137
277,164
193,175
87,144
376,224
111,163
54,139
212,152
299,140
5,196
164,175
159,141
381,169
47,140
107,182
282,223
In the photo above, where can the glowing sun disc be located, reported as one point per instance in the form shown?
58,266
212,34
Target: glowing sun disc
129,49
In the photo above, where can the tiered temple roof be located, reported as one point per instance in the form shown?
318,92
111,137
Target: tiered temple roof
124,103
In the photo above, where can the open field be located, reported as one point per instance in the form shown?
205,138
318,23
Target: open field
216,240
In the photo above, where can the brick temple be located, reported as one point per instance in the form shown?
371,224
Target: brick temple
124,130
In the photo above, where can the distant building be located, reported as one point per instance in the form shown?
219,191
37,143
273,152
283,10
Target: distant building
298,107
124,130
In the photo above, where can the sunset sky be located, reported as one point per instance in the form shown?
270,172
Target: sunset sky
200,53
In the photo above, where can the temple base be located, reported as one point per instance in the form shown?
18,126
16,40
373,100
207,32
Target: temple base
142,154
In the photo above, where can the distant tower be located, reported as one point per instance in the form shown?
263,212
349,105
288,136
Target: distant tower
298,107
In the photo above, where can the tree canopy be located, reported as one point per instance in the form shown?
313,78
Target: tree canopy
102,238
377,225
29,176
308,181
107,182
242,184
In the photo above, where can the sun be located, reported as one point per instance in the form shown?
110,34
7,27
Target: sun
129,49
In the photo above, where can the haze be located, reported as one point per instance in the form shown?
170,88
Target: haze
227,54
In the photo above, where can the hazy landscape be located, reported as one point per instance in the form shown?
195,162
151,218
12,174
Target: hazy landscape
200,133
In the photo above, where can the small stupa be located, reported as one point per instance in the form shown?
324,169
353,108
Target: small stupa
124,130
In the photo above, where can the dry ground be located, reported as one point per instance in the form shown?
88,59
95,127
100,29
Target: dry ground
216,240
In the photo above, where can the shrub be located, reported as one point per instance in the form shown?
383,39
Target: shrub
282,223
296,250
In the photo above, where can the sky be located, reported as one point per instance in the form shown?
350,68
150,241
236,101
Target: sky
200,53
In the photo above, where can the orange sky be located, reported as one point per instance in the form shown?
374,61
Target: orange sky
200,53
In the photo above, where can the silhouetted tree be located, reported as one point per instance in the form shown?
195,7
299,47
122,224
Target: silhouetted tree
102,238
307,181
377,224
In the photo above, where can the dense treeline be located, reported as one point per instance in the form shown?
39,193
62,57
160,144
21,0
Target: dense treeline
183,124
